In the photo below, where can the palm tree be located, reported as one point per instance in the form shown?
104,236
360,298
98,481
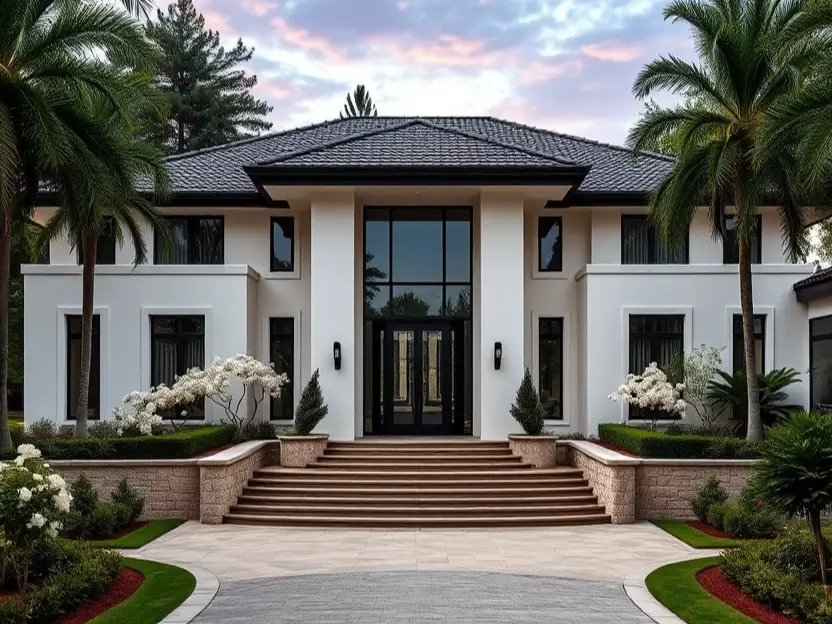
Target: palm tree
359,104
752,57
55,57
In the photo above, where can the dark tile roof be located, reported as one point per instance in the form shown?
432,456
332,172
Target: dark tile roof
818,277
426,141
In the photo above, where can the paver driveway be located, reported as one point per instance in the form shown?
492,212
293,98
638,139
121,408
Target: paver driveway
284,575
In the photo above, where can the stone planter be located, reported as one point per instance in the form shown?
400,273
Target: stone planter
539,451
300,451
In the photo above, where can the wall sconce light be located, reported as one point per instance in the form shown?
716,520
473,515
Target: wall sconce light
336,354
498,354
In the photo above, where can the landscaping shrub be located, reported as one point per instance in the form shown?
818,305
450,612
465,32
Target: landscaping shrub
716,515
84,495
42,429
710,493
747,522
128,498
260,430
527,409
773,572
177,445
92,519
103,429
654,444
311,408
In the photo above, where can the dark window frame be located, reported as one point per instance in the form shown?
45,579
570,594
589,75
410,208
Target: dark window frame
287,392
653,242
655,339
550,222
812,340
731,253
556,335
179,338
737,339
96,338
110,245
281,221
192,224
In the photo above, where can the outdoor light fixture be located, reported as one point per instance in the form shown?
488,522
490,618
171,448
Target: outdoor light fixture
336,354
498,354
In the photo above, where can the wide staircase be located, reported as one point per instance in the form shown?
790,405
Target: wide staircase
418,484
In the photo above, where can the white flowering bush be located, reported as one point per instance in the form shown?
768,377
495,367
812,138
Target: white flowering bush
141,410
34,502
652,391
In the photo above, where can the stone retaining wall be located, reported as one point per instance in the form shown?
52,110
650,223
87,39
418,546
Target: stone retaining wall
170,488
223,476
614,484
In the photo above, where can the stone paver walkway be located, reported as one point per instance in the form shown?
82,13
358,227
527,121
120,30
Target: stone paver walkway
322,576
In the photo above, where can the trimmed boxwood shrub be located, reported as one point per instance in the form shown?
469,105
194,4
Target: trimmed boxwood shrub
178,445
710,493
655,444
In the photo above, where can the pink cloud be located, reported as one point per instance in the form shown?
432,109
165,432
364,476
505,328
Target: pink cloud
275,91
259,8
402,5
446,51
540,71
613,51
303,39
216,21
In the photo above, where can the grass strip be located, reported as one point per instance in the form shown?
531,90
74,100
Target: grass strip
141,536
694,537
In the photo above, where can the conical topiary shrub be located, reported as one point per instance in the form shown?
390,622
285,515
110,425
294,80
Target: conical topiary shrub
311,408
527,409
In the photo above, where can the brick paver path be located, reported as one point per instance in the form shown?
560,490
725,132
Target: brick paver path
421,597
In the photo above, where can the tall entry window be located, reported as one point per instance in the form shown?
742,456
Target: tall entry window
177,343
282,355
550,366
417,311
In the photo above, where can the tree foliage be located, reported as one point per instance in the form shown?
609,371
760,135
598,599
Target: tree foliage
754,57
207,96
359,104
311,408
527,409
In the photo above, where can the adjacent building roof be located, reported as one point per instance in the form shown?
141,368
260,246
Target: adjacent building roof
816,286
427,142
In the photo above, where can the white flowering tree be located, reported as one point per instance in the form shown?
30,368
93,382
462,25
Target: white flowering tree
697,369
652,393
257,380
34,502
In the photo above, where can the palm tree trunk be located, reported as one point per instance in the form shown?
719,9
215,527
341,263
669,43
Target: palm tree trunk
755,425
88,301
814,522
6,445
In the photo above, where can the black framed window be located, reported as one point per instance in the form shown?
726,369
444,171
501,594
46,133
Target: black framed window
641,243
658,338
550,366
177,343
73,368
282,355
417,262
730,250
820,362
106,251
283,244
194,240
550,244
759,343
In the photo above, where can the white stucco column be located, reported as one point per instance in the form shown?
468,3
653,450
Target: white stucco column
501,310
332,307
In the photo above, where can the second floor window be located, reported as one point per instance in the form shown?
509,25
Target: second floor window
106,250
641,244
283,244
550,244
730,249
194,240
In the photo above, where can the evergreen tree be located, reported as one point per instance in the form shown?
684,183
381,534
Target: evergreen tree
311,408
359,104
207,96
527,409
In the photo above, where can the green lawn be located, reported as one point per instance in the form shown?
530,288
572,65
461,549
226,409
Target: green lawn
693,537
676,587
165,587
141,536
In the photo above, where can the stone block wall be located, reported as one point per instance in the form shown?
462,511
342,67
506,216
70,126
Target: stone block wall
665,487
223,476
170,488
614,485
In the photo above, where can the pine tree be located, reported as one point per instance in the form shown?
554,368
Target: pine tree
311,408
207,96
527,409
359,104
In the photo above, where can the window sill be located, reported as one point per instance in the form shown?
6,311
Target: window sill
282,275
556,423
550,275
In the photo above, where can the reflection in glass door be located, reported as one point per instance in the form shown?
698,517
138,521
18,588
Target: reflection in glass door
403,378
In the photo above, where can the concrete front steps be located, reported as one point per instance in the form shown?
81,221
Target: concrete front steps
420,485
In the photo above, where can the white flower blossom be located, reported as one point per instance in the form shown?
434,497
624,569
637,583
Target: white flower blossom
56,481
53,528
36,522
651,390
62,501
24,494
37,477
28,451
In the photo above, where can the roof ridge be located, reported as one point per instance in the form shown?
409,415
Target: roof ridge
335,142
579,139
519,148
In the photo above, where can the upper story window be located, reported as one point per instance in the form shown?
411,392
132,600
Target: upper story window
759,343
106,250
194,240
641,244
549,244
730,250
283,244
820,362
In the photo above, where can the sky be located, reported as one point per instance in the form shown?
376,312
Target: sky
565,65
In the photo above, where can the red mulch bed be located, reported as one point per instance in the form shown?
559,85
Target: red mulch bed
215,450
612,447
717,584
125,585
708,529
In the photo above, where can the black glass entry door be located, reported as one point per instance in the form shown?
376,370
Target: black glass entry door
420,376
